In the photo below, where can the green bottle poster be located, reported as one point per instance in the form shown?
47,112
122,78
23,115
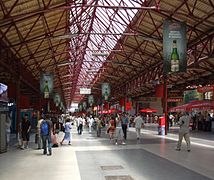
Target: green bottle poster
90,100
57,99
174,47
105,91
46,84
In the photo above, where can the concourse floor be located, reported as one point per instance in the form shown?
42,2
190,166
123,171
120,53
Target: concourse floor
153,157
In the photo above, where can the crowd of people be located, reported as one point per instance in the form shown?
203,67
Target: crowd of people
115,125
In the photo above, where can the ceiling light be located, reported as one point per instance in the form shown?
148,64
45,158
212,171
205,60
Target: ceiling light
100,54
66,63
66,36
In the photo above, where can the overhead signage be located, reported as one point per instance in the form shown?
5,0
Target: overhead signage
85,90
174,47
105,91
46,84
205,89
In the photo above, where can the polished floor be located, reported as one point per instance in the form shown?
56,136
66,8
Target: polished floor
91,158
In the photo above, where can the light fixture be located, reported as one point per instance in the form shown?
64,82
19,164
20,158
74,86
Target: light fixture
100,54
72,35
66,63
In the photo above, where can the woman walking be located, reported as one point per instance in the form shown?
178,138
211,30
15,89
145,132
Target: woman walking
67,135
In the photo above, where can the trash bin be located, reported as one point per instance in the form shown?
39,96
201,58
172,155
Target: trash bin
161,127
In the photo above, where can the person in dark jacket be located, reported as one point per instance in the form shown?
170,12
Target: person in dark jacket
25,131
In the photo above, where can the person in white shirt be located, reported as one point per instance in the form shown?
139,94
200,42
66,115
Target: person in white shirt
138,125
90,123
79,125
39,138
184,131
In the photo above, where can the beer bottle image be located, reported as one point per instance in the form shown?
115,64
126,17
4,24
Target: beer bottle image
174,57
46,90
106,94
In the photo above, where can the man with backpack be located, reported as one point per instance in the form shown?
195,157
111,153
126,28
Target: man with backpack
45,131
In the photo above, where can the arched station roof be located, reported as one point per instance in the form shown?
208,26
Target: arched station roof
88,42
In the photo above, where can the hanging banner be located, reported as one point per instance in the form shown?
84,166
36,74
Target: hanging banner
46,84
174,47
90,100
57,99
84,105
105,91
80,107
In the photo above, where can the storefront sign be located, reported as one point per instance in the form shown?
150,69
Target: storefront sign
205,89
175,100
174,46
192,95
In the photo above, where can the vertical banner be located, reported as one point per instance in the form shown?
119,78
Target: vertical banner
46,84
105,91
80,107
174,47
90,100
57,99
84,105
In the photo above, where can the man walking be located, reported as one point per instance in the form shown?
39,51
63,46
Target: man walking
125,122
138,125
25,131
184,131
45,131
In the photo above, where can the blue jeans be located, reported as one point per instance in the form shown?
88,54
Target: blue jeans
46,139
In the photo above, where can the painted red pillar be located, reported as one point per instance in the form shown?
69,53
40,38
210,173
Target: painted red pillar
18,105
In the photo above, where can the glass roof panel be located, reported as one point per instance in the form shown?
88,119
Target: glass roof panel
101,24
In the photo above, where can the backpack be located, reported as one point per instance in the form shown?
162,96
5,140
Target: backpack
44,128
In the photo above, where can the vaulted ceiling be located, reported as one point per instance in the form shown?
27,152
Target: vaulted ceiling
88,42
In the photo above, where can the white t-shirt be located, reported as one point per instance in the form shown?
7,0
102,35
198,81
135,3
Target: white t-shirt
138,122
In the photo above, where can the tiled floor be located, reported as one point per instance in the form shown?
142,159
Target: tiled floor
92,158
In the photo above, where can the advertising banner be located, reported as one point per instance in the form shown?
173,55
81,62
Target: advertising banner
174,47
46,84
84,105
90,100
57,99
105,91
192,95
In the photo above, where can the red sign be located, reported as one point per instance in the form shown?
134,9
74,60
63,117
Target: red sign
205,89
128,106
175,100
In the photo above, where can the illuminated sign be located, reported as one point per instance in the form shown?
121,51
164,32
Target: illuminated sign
85,91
